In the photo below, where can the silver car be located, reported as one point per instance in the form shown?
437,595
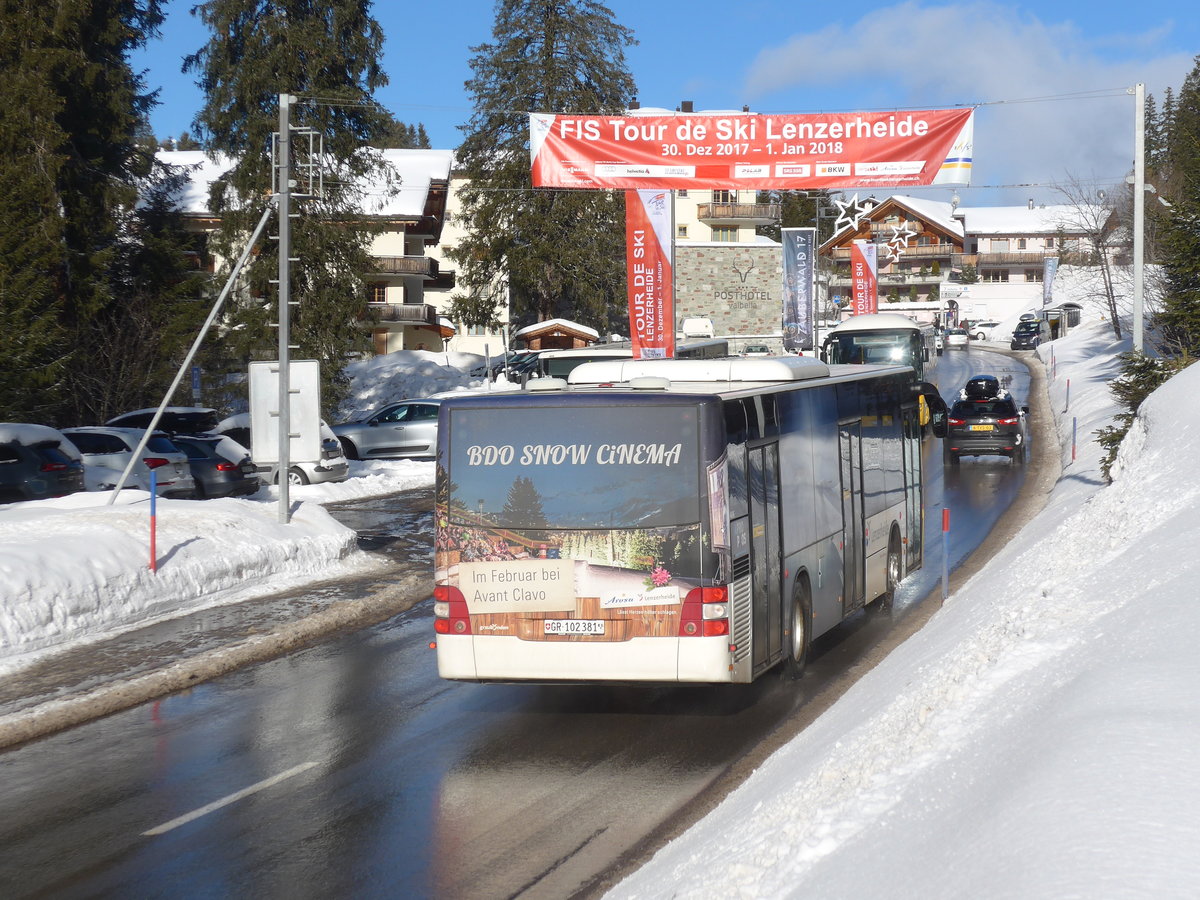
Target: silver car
106,452
332,466
407,428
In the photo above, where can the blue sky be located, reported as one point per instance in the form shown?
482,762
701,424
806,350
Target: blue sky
1072,59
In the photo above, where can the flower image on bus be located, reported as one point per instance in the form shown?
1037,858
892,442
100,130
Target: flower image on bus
884,339
671,520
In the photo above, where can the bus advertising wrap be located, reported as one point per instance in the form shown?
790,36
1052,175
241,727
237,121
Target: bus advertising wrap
751,150
863,278
799,287
648,265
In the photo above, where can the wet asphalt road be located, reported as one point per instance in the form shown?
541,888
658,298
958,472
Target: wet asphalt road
349,768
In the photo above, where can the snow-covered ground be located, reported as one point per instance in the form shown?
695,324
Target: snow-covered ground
1038,737
76,569
1035,739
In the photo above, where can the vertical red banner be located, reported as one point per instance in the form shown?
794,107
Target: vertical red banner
648,264
864,277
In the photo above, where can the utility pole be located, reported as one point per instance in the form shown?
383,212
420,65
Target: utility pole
285,252
1139,208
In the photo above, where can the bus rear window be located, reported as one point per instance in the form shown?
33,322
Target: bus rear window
586,467
884,349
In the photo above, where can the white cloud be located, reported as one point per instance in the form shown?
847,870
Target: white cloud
914,54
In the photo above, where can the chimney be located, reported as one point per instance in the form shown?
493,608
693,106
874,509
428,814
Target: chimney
745,107
633,104
685,106
1031,203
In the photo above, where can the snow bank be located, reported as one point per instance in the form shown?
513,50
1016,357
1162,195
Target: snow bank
1037,737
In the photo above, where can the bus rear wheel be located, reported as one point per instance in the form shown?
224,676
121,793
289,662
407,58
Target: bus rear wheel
798,638
895,574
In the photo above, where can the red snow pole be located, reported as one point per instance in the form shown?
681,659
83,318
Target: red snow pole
153,521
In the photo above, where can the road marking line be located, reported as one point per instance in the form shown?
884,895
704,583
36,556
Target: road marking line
225,801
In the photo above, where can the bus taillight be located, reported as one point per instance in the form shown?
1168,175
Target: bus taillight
450,611
705,612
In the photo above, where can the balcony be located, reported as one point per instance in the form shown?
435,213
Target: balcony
912,251
756,213
1019,258
421,266
402,313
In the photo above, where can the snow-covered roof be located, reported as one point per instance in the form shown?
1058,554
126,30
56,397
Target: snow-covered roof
558,323
413,171
1023,220
938,212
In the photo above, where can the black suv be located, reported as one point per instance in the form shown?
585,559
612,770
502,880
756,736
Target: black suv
1030,334
989,427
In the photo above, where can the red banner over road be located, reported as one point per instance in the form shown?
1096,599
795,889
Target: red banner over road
648,263
751,150
864,277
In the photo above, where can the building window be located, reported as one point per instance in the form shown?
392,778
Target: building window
724,196
725,233
1020,243
377,292
681,231
681,193
478,331
993,275
999,245
1033,274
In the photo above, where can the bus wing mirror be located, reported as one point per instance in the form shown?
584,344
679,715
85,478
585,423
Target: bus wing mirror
939,413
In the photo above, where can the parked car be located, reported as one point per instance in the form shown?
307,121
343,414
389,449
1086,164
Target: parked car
519,363
981,331
221,467
107,450
956,338
36,462
407,428
1029,334
331,467
174,420
987,427
757,350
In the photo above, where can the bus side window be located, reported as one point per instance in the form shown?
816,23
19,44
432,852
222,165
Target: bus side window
738,500
737,432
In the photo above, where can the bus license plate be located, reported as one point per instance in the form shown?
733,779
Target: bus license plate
981,427
573,626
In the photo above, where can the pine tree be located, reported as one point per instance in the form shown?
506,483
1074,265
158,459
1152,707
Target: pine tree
70,153
33,342
1182,156
327,55
135,347
401,136
799,209
562,252
523,507
1178,319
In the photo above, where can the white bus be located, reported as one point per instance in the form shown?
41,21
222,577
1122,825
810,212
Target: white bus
885,339
671,520
560,363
